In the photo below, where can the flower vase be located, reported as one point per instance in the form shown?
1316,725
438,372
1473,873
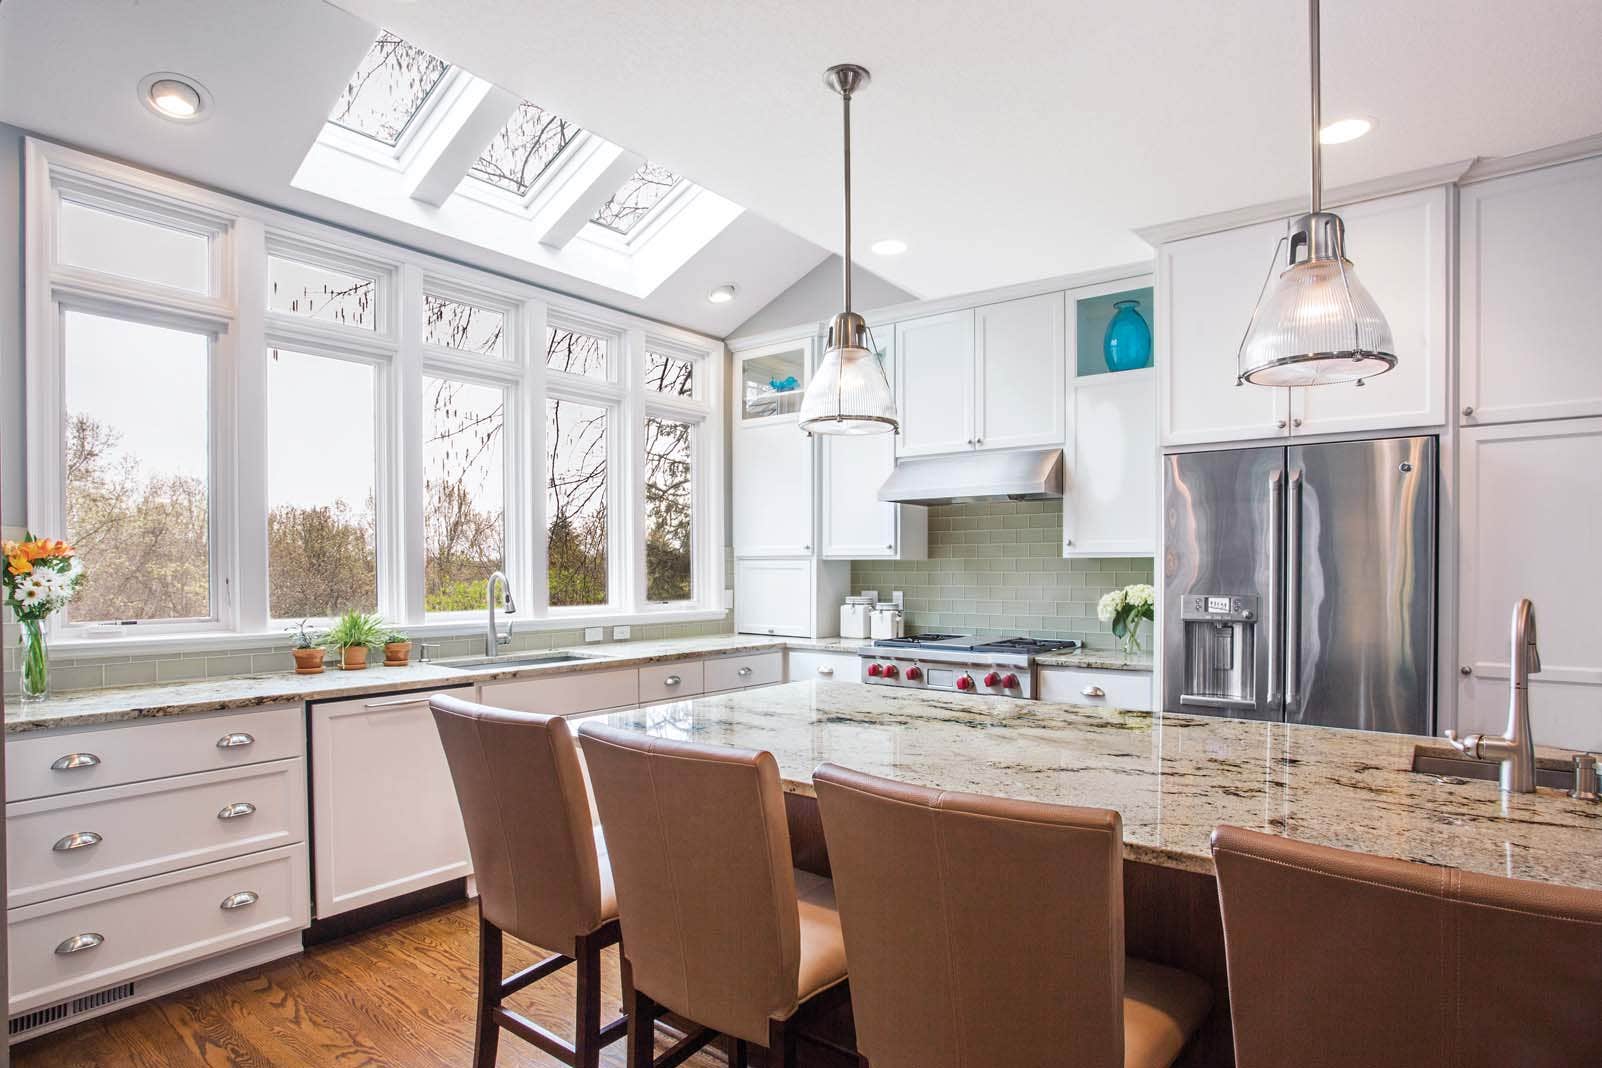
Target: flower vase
32,665
1132,637
1127,343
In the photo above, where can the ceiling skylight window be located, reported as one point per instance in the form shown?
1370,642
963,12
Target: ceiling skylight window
388,90
643,191
528,144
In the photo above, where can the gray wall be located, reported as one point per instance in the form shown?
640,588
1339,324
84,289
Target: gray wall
13,482
816,297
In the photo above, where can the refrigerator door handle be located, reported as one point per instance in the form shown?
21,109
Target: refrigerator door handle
1293,595
1276,568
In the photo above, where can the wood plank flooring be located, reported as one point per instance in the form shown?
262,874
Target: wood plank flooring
396,996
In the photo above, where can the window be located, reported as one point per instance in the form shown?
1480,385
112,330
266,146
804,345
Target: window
643,191
320,293
454,324
575,352
388,89
669,560
575,503
464,485
523,149
137,485
669,374
321,486
132,248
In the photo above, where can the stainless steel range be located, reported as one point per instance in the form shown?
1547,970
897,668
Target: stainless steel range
959,663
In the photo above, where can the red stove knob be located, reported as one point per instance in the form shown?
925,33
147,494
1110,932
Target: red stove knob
1010,682
875,670
914,673
993,679
891,671
965,682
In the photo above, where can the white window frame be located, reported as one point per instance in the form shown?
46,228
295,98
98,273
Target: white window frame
242,234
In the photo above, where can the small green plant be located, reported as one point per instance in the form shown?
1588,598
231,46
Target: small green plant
395,637
356,629
305,635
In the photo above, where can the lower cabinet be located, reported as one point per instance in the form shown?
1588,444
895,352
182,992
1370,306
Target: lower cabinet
743,671
1129,690
806,664
384,815
566,695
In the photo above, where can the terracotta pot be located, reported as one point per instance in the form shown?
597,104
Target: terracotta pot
397,654
308,661
353,658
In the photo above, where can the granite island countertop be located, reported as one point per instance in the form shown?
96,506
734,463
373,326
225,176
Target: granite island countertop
1173,777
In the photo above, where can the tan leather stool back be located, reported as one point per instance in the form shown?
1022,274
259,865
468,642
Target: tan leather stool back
978,931
521,790
1339,958
705,889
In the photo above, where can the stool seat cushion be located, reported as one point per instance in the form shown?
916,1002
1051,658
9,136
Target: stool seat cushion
1163,1007
823,961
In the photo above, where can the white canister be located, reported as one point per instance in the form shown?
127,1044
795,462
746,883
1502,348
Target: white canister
887,621
854,617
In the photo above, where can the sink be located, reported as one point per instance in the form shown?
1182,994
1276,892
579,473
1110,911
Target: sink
514,660
1449,767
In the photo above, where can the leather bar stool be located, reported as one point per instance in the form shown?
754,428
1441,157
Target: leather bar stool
719,927
1343,959
541,865
983,931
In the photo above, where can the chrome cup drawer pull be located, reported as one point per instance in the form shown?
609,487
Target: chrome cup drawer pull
743,672
80,942
1093,691
672,680
76,840
236,810
235,740
73,761
239,900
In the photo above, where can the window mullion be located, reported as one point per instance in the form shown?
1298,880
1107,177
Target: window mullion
406,593
249,419
532,576
632,477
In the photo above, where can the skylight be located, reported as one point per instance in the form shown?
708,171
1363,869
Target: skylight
389,88
528,144
643,191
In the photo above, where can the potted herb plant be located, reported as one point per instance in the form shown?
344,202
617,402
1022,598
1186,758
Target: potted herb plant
397,649
308,649
352,636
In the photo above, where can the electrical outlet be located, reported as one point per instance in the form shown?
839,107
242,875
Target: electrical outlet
619,633
594,634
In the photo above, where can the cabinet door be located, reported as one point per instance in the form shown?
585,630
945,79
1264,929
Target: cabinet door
1530,512
1206,289
1020,372
772,489
934,383
385,820
1530,277
1109,504
773,597
853,524
1399,246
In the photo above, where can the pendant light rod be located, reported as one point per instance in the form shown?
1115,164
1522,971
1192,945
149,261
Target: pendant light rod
846,79
1315,66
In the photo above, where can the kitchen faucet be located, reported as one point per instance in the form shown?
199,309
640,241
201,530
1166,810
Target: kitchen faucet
494,639
1516,747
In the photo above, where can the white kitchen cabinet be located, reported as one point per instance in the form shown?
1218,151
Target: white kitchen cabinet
809,665
797,598
744,671
1130,690
565,695
1529,513
773,490
385,820
1399,244
1020,369
934,383
1530,275
1207,287
1109,505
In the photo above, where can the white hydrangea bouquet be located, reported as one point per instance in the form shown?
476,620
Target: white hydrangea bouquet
40,575
1126,609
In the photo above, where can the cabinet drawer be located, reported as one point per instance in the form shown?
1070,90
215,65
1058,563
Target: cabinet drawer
669,682
584,691
1101,689
824,667
738,672
93,838
41,765
147,926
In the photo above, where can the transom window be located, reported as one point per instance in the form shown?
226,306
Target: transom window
575,352
456,324
634,200
321,293
524,148
388,89
672,375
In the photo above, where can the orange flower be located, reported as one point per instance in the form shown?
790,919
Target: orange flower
41,548
9,547
19,564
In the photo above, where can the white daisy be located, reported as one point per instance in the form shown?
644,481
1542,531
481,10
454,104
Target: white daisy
29,594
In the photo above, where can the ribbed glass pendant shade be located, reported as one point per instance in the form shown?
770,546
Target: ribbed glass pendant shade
1317,324
849,393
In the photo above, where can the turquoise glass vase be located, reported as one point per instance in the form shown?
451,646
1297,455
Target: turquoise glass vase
1127,342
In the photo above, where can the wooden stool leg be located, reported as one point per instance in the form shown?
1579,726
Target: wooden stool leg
487,1040
739,1053
781,1045
587,1024
642,1013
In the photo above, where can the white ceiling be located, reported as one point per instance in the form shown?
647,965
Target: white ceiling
1012,141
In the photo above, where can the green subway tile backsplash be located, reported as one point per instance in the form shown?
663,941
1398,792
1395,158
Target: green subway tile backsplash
997,568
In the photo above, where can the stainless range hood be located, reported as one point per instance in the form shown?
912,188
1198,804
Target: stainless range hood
1025,475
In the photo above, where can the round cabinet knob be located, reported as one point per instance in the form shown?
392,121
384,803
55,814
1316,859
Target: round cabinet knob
1010,682
875,670
1465,670
1280,423
965,682
993,679
1468,410
891,671
1296,422
914,673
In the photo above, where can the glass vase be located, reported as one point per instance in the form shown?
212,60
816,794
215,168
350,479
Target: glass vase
32,666
1127,342
1132,637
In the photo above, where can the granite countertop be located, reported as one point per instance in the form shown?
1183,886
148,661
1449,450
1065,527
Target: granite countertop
1098,660
1173,778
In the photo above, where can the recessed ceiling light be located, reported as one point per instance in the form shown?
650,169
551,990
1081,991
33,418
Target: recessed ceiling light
890,246
721,295
1343,130
174,96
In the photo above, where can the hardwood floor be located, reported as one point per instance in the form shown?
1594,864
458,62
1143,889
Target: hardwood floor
397,996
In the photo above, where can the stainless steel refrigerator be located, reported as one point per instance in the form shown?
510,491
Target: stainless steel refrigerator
1299,583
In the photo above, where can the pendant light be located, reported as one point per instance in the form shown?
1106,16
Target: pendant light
1317,324
849,393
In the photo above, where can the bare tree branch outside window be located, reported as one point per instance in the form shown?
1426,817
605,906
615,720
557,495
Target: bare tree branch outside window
668,557
632,202
522,149
388,89
453,324
320,293
575,352
575,502
669,374
464,485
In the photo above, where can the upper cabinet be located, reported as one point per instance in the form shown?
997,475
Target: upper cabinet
773,457
986,378
1530,275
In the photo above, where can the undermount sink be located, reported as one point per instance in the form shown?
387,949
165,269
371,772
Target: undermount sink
1429,761
514,660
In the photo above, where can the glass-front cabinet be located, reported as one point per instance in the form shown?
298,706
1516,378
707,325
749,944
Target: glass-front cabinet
770,380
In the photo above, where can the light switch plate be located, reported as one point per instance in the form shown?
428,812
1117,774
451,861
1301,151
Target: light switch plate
594,634
619,633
